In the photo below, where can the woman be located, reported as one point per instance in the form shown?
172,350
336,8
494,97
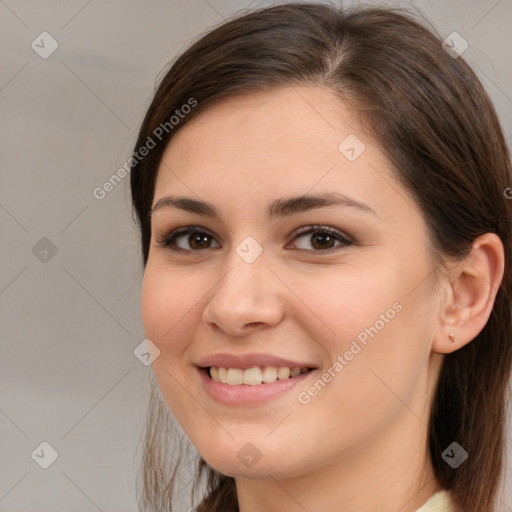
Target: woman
326,244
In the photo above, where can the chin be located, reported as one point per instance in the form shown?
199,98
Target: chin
235,468
251,464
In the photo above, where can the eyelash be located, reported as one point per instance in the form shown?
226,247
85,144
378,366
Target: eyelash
168,239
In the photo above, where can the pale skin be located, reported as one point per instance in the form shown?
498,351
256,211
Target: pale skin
360,444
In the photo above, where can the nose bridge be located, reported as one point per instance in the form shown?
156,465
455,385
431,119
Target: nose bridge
244,295
242,281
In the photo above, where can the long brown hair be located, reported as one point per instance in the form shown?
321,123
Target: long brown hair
438,128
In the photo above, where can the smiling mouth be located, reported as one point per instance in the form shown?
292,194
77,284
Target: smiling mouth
255,375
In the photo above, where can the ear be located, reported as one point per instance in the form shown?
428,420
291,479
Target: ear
471,287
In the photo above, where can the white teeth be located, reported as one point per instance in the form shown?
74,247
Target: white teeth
294,372
255,375
252,376
214,372
235,376
283,373
269,374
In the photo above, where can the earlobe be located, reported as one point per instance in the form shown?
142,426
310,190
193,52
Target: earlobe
472,286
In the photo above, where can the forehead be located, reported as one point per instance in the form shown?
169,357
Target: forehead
250,148
286,130
282,115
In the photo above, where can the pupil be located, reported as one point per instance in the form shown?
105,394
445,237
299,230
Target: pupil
196,239
325,237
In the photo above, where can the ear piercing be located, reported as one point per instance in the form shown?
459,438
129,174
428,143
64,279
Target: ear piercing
451,336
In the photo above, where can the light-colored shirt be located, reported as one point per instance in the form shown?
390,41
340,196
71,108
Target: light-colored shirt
438,502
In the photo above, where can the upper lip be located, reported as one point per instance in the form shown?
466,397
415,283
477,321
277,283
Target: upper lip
244,361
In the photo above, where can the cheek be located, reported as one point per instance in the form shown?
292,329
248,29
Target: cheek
344,302
168,317
372,321
154,305
166,307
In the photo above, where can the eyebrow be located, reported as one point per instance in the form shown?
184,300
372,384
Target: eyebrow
277,208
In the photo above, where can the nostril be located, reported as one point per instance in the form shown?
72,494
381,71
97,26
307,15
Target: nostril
252,324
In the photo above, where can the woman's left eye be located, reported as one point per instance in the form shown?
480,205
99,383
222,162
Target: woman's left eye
321,238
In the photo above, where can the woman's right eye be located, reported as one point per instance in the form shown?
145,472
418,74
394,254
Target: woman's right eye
192,236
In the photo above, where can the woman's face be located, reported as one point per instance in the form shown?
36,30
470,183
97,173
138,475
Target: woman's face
354,304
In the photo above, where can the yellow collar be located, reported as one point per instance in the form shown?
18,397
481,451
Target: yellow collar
438,502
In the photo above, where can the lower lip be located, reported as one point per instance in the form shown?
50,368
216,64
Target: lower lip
249,395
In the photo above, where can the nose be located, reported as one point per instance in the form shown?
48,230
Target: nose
247,298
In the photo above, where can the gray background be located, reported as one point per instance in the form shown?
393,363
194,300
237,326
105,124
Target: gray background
70,323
